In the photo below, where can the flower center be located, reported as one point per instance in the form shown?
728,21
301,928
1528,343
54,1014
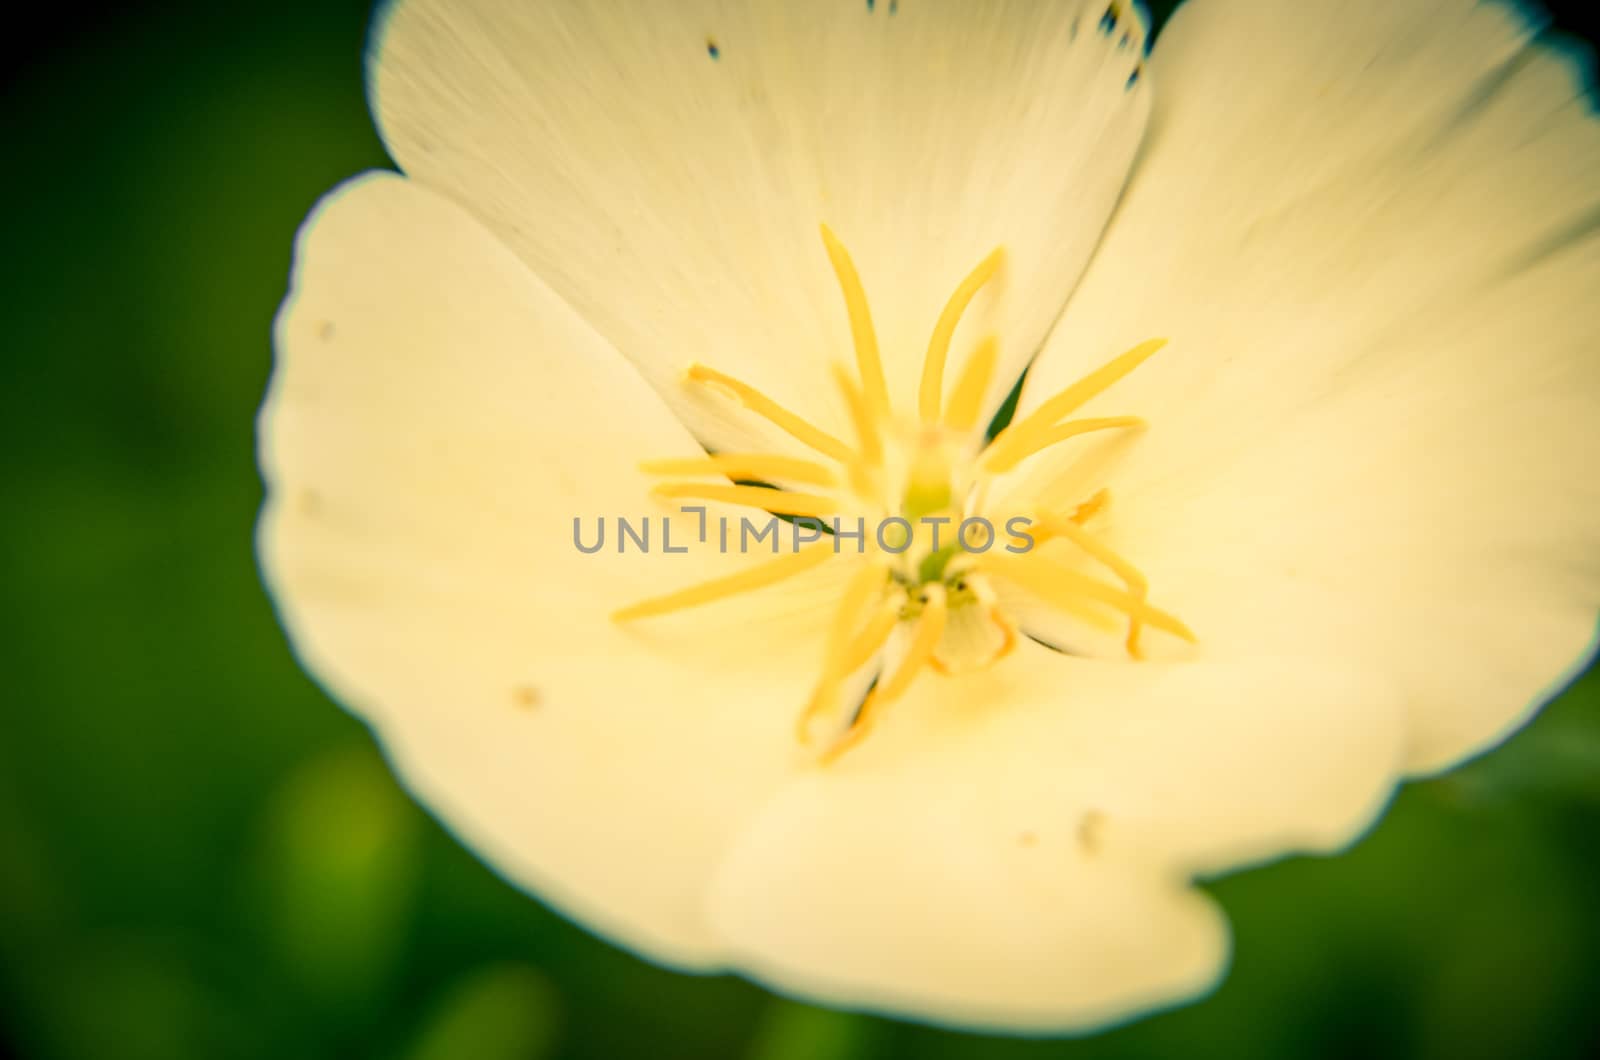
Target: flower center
909,496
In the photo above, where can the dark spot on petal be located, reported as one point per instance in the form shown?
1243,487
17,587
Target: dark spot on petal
1133,78
525,696
1108,21
855,712
1052,646
870,6
894,5
1090,827
712,49
1027,839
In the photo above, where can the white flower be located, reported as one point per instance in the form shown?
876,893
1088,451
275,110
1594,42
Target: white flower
1360,472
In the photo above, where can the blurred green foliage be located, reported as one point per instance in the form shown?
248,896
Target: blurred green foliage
202,856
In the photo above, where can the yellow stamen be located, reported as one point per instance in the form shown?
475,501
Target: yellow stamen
1021,449
1138,585
1020,436
861,467
1067,589
1091,507
848,654
869,640
867,644
930,627
763,406
967,401
914,472
776,501
931,392
1046,525
757,577
746,465
1007,630
857,594
861,332
871,443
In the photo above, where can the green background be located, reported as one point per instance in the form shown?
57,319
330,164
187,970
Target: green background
202,856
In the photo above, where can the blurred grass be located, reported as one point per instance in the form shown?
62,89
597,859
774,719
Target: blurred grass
201,856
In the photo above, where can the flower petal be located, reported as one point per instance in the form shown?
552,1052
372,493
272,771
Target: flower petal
1010,849
1370,232
437,420
665,166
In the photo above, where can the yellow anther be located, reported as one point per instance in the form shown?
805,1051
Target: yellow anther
746,465
1068,589
868,363
1021,436
931,392
850,648
1091,507
930,627
757,402
863,465
867,436
1047,525
966,403
872,637
757,577
1008,631
776,501
1020,450
858,595
1132,577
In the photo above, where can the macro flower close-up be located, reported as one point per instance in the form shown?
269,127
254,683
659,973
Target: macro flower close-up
1156,454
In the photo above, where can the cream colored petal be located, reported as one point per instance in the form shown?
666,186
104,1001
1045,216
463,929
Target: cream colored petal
1011,849
1369,231
436,421
665,167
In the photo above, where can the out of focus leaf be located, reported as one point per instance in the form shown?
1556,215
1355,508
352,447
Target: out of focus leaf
791,1031
135,998
504,1012
338,864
